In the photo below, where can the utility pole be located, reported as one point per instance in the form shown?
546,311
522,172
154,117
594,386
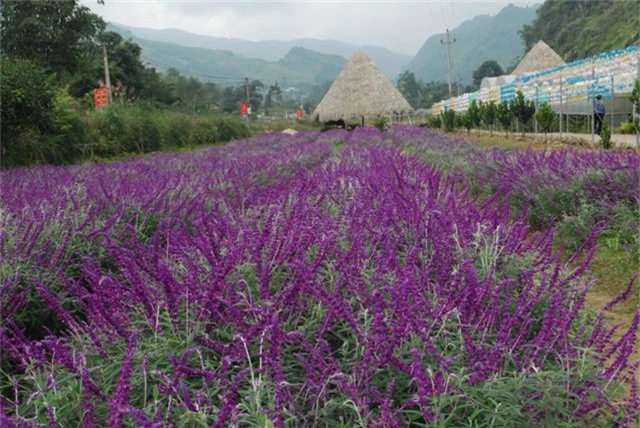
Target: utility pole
107,80
246,86
448,43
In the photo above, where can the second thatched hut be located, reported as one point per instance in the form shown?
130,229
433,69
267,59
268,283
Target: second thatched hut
361,91
539,57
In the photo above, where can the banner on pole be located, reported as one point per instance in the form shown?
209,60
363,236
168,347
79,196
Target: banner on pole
100,97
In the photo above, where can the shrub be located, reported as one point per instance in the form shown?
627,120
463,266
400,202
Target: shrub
545,117
629,127
39,123
489,114
449,120
435,122
231,128
606,136
522,109
504,115
381,123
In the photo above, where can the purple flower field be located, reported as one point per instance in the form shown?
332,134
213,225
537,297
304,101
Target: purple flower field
321,279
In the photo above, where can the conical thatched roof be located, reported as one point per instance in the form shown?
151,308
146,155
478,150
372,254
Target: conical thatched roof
361,90
539,57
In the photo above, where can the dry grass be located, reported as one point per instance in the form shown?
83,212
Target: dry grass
512,141
361,89
539,57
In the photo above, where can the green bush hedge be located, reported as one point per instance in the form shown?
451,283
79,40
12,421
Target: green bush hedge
120,129
39,123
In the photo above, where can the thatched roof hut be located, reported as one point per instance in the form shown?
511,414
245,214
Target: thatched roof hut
361,90
539,57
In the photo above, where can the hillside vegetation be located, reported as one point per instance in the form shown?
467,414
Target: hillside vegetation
579,29
390,62
299,66
477,40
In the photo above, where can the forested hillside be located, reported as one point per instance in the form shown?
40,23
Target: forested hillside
579,29
389,62
477,40
299,67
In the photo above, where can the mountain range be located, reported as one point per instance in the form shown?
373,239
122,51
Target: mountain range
477,40
307,62
391,63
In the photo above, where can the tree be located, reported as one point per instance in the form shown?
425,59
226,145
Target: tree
634,97
489,112
50,34
504,115
545,117
275,92
522,109
449,120
125,66
157,88
466,120
233,96
432,92
473,115
255,95
409,87
489,68
37,122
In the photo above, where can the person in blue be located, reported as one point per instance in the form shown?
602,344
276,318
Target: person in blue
598,114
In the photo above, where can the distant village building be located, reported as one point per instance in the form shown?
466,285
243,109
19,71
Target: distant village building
361,91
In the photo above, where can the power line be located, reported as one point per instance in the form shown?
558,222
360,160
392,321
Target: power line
444,15
435,23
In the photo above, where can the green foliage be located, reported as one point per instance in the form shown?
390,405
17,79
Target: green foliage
409,87
634,97
274,95
28,94
449,120
473,114
52,34
432,92
466,120
419,94
579,29
546,117
504,115
488,112
489,68
435,122
230,128
381,123
123,128
606,136
522,109
629,127
39,123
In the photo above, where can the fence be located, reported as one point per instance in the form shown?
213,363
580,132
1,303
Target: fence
570,88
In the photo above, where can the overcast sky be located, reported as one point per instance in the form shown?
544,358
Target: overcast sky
402,26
